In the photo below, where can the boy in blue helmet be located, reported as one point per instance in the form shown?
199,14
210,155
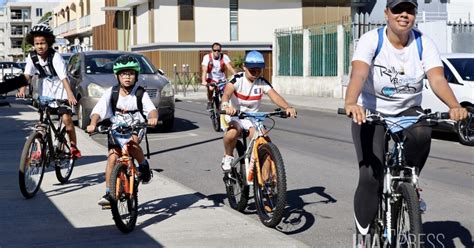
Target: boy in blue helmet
245,91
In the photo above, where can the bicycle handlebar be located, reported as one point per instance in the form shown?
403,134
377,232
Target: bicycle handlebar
278,112
102,129
374,117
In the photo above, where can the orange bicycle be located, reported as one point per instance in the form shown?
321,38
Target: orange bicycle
259,164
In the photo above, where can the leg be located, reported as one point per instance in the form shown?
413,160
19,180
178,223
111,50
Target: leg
71,131
417,145
113,155
369,143
230,137
136,151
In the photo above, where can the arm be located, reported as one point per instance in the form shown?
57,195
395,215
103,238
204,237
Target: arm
440,87
153,117
359,73
70,94
21,91
281,102
230,68
204,75
94,120
228,91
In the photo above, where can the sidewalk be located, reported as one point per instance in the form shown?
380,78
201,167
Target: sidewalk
171,215
299,102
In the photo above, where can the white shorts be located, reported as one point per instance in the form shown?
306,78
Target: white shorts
243,123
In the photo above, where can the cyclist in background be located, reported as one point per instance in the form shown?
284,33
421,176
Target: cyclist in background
53,81
126,69
245,91
213,68
387,74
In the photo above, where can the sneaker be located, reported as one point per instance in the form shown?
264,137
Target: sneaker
422,203
105,200
76,154
209,106
226,163
145,173
36,155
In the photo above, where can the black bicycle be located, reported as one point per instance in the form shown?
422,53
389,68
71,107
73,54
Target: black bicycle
259,163
47,144
216,104
398,220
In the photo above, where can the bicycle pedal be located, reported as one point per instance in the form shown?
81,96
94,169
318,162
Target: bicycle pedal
106,207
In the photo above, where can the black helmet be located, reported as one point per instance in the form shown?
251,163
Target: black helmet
41,30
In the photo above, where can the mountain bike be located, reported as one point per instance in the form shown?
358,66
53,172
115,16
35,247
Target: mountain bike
216,104
398,220
124,179
46,144
259,163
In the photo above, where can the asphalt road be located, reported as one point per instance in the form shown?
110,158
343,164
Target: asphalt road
321,175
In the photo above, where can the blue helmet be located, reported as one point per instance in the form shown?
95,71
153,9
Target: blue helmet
254,59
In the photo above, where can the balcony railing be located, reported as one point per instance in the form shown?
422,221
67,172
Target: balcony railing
85,21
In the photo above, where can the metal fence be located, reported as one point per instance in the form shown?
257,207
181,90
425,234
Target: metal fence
323,45
462,36
290,51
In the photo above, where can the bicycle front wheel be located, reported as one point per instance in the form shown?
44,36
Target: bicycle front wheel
215,114
407,217
236,188
270,196
124,205
64,161
32,164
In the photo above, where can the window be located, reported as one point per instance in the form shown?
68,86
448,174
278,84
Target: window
186,10
39,12
448,74
234,7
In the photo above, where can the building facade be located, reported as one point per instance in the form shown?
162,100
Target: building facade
16,19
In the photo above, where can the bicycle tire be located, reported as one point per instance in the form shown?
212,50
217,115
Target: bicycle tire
465,131
215,114
236,189
28,185
64,163
270,199
122,201
407,207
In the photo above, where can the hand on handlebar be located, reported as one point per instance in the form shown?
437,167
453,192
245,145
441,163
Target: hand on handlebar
21,93
90,129
356,112
458,113
229,110
152,122
291,112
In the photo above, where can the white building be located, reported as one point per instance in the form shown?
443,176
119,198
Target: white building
16,19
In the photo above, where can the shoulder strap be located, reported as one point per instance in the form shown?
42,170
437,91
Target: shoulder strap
139,94
114,98
419,44
51,53
35,59
222,64
210,64
379,43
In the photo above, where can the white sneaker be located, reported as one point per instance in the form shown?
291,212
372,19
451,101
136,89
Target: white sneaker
226,163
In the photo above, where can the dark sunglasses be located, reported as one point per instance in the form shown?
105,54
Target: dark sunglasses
398,9
216,50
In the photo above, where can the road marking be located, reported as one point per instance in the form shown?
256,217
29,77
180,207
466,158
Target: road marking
171,136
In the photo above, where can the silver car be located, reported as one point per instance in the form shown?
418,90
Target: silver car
91,72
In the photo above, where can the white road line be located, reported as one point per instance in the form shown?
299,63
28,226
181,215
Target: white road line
171,136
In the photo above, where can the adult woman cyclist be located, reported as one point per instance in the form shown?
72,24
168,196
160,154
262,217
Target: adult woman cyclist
388,78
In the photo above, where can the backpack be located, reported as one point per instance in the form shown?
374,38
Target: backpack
211,64
139,95
419,44
42,72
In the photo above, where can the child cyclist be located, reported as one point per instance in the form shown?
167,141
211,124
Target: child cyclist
53,82
126,68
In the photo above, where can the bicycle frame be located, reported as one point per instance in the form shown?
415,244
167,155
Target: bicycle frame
126,160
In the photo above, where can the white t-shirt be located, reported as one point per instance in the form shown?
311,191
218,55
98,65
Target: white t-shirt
51,86
395,79
216,75
104,109
247,95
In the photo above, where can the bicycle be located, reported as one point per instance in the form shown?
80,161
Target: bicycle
46,144
216,104
258,163
124,179
399,197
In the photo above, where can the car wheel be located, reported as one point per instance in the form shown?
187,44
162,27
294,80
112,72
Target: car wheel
82,117
168,124
465,130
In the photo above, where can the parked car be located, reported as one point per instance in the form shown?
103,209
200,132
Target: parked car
459,71
90,73
9,68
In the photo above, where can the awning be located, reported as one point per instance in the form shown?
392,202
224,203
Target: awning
115,8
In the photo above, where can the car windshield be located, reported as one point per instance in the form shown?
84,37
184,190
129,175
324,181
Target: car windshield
9,65
103,64
464,67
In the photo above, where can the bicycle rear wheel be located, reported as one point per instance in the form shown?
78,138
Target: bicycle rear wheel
124,205
64,162
32,164
270,197
407,217
215,114
235,186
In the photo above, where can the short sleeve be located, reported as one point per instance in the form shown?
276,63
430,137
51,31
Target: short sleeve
148,105
226,59
30,69
205,60
59,66
366,46
430,57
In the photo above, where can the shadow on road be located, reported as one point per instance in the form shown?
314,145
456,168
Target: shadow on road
443,234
